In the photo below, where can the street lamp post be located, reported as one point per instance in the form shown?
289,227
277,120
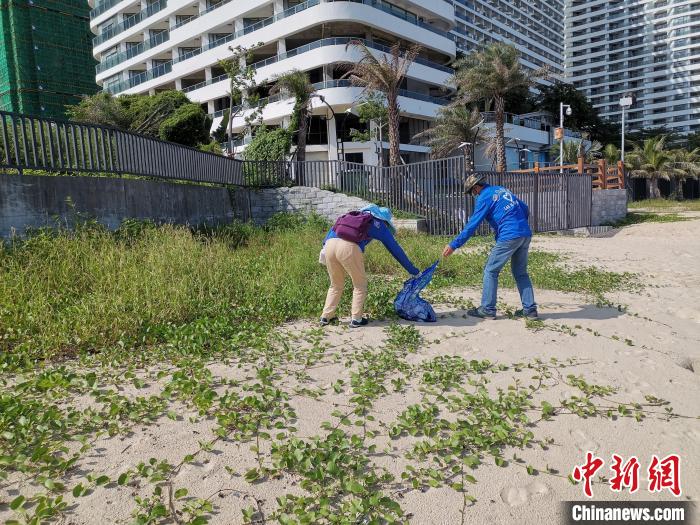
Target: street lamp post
561,132
625,103
323,99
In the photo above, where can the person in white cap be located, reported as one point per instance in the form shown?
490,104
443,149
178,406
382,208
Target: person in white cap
343,250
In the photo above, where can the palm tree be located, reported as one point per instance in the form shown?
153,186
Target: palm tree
611,154
297,84
576,149
490,75
384,74
686,164
651,161
454,126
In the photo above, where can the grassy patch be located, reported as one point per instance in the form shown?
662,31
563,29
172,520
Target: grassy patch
639,217
65,292
666,205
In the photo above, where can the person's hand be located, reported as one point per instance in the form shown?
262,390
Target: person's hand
447,251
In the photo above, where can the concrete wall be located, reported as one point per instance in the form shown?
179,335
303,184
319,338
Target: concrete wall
260,205
608,207
30,201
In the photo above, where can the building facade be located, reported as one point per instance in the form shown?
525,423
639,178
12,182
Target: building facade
45,57
535,27
144,46
649,48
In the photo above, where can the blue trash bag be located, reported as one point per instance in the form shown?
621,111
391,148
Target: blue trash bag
409,304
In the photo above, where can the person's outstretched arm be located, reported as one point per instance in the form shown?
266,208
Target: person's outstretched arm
482,208
383,234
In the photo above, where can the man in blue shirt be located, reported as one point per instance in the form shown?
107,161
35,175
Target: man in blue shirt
507,215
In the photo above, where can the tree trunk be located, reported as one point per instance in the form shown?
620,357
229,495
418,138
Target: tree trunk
394,117
679,190
229,131
653,188
301,136
499,107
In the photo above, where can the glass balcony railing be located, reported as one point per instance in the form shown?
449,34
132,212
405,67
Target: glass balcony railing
339,41
330,84
401,13
133,51
129,22
129,83
102,7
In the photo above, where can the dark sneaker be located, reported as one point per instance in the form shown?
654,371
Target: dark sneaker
480,313
357,324
326,322
531,314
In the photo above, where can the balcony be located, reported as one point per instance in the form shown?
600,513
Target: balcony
340,41
136,50
319,86
129,22
102,7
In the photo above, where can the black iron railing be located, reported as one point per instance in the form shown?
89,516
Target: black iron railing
59,146
432,189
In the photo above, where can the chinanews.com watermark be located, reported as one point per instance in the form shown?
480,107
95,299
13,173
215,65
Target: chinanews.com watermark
662,474
628,512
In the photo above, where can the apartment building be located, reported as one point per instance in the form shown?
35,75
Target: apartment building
648,48
144,46
535,27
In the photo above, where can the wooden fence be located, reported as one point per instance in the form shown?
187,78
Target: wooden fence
605,177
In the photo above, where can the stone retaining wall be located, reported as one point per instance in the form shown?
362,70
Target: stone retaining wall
36,201
28,201
260,205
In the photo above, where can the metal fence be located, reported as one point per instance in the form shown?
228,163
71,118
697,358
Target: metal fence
435,189
32,143
432,189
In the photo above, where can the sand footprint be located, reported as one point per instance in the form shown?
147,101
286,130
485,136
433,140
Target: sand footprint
582,441
515,496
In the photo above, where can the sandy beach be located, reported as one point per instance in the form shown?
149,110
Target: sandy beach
642,343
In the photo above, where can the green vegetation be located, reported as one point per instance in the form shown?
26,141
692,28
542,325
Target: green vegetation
488,76
269,144
187,125
297,84
575,149
666,205
371,108
168,115
68,292
384,74
455,125
653,160
89,319
641,217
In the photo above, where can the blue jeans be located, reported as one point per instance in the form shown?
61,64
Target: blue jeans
516,251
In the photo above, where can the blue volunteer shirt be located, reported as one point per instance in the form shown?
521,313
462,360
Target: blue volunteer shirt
506,214
381,232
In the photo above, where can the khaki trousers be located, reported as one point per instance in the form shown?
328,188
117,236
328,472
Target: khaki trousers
345,257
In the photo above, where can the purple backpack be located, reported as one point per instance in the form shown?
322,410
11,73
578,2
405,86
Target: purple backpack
353,226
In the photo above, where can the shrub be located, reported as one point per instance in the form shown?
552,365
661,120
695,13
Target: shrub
188,125
212,147
269,144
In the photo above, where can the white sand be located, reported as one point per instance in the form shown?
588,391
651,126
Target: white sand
666,349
